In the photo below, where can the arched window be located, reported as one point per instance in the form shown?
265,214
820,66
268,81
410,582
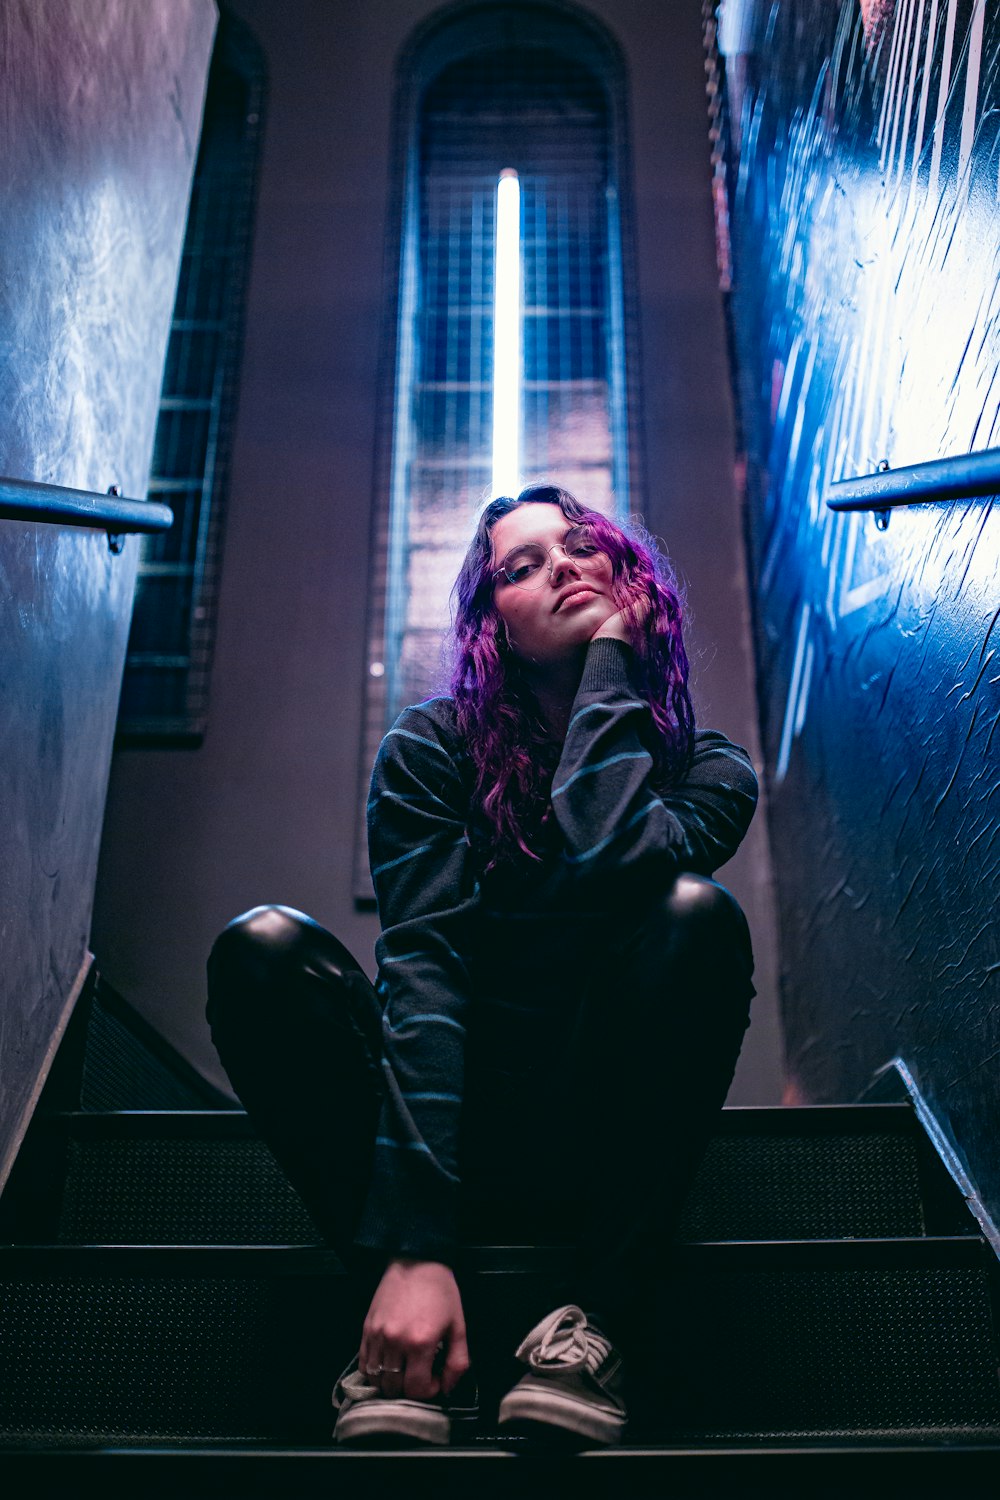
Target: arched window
537,92
165,687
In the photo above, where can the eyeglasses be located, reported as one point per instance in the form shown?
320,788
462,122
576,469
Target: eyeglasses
528,566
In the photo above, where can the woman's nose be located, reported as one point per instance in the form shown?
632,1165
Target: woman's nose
559,566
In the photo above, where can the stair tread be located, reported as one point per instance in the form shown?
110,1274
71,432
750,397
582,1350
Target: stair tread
783,1119
205,1177
716,1470
282,1258
245,1344
497,1446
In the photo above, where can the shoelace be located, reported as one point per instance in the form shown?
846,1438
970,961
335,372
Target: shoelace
357,1386
564,1341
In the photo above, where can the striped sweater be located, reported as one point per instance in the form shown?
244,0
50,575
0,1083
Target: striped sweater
615,835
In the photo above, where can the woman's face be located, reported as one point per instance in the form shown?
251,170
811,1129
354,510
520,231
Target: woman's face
551,622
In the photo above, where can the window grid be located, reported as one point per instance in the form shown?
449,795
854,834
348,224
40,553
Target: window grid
165,685
545,116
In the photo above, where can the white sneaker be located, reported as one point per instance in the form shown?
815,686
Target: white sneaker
574,1381
365,1414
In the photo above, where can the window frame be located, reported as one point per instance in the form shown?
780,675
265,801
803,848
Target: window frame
451,33
235,51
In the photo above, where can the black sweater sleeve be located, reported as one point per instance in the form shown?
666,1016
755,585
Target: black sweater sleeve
612,820
421,866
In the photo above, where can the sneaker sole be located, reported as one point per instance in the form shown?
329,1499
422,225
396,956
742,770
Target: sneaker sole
370,1420
536,1412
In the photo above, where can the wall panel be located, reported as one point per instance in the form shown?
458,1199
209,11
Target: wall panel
101,111
864,187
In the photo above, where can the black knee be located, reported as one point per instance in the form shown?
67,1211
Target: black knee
269,927
702,904
258,939
263,952
703,928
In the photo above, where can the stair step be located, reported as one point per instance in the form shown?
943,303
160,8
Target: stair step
203,1177
492,1471
819,1172
788,1343
128,1064
173,1179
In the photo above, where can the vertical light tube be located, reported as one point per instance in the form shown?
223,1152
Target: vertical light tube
507,337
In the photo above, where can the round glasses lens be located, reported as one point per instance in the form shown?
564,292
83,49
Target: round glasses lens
527,567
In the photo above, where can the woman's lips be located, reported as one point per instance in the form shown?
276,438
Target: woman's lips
575,596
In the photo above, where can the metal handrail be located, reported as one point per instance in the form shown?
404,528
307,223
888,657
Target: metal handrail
26,500
960,478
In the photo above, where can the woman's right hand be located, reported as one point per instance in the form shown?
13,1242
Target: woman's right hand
616,627
416,1310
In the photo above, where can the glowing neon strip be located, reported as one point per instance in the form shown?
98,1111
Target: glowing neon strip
507,337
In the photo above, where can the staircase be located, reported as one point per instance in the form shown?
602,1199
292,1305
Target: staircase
170,1325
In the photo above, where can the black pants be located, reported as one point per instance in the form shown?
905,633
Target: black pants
595,1068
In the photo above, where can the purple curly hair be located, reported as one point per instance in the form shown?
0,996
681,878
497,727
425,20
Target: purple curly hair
512,749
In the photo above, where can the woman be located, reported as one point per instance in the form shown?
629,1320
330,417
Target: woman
562,990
